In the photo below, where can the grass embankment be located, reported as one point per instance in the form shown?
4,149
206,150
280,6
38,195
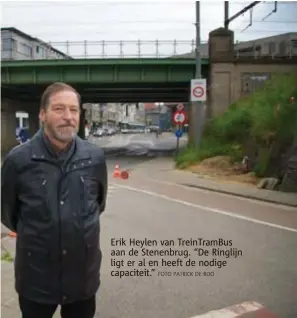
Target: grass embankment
263,119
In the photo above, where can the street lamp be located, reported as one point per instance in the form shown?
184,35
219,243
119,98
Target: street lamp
159,105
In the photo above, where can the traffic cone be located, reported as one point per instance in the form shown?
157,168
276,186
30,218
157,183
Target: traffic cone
12,234
117,172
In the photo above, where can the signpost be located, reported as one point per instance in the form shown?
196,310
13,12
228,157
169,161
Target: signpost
179,118
198,90
178,133
198,97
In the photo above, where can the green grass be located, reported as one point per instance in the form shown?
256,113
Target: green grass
265,117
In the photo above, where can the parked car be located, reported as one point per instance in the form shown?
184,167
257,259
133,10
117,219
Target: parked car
154,129
110,131
99,132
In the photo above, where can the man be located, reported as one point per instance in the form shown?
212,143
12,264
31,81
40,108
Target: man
53,190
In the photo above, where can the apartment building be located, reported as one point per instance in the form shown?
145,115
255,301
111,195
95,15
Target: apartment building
17,45
278,45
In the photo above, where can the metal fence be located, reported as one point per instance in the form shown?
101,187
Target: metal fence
126,49
174,48
149,49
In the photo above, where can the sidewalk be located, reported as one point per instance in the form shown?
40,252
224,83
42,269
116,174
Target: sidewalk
10,307
162,169
9,298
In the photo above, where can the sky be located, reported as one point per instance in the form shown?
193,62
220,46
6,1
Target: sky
140,20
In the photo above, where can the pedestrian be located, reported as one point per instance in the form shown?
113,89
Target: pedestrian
24,135
53,191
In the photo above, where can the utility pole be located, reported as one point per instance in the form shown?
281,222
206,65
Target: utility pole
198,107
226,15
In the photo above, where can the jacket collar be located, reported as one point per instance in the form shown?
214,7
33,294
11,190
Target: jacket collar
39,151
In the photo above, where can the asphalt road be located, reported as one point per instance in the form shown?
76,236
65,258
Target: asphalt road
266,272
140,209
138,144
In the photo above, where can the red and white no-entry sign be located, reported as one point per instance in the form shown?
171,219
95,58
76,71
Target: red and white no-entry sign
179,117
198,90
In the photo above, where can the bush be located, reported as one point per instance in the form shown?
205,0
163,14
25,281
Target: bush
208,148
232,126
266,116
271,110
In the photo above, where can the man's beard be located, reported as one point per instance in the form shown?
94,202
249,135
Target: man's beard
64,133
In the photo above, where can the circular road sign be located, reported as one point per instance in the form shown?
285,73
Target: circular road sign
178,133
180,107
179,118
198,91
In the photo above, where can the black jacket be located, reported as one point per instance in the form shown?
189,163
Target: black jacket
54,209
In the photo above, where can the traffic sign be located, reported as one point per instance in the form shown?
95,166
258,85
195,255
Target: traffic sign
180,106
179,117
178,133
198,90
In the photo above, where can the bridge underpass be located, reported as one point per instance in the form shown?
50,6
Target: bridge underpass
107,93
97,81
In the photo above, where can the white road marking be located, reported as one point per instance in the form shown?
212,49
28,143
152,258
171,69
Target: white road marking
233,311
112,187
111,190
281,206
201,207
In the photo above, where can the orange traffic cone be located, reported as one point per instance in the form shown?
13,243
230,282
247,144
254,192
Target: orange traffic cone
12,234
117,172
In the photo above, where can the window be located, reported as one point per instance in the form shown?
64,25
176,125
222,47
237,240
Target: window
26,50
283,48
271,46
294,44
8,44
40,52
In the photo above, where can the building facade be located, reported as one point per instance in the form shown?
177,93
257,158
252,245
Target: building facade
279,45
112,114
17,45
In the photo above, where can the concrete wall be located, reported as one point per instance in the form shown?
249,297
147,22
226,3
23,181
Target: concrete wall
231,78
229,81
8,122
8,138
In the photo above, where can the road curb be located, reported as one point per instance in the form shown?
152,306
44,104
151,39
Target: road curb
241,195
